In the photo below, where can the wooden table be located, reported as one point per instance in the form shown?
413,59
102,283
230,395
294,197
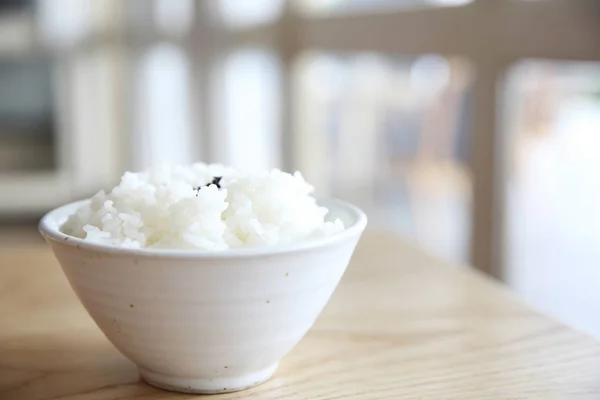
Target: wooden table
402,325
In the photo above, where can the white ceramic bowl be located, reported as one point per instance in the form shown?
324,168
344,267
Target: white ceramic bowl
205,322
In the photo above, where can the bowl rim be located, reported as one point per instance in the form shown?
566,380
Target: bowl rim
50,229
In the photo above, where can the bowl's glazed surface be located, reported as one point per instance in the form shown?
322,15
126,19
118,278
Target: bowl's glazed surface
205,322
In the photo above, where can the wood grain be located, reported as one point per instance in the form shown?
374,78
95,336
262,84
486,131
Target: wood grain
401,325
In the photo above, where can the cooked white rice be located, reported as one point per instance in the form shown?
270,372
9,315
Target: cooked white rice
163,208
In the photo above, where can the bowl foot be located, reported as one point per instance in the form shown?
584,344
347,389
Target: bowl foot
207,385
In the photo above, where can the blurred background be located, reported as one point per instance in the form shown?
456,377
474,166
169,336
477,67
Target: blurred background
471,128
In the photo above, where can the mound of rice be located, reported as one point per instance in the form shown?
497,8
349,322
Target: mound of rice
178,207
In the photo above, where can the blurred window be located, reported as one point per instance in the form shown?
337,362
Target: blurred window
388,133
162,114
64,22
248,106
238,14
553,188
15,5
174,18
342,6
27,122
